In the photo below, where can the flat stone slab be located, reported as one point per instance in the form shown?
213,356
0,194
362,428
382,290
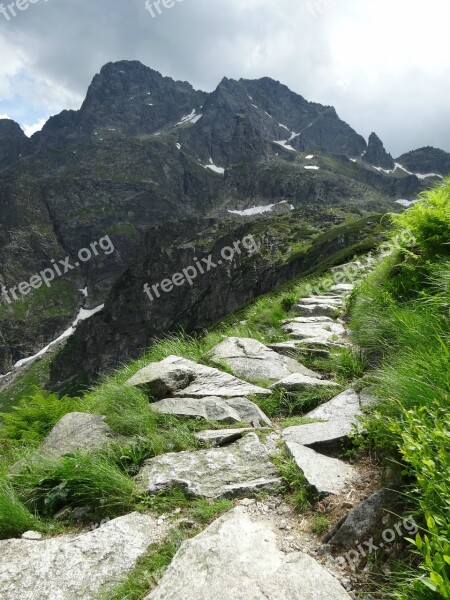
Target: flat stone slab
228,410
339,416
337,300
76,431
294,350
298,382
178,377
309,320
249,358
342,288
76,567
221,437
326,476
316,310
240,558
236,470
323,332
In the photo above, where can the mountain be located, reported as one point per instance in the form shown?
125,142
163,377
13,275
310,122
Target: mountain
426,160
145,151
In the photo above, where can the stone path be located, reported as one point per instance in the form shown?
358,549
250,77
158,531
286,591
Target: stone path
245,553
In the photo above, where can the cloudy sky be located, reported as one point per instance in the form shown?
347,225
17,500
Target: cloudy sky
384,64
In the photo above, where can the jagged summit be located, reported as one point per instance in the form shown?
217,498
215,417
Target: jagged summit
376,154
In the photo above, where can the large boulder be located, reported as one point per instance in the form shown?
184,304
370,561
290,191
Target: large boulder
251,359
236,470
237,557
228,410
176,376
76,567
76,431
326,476
221,437
323,332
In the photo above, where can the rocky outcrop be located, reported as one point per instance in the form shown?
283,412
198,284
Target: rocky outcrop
376,155
76,567
13,142
237,557
237,470
298,382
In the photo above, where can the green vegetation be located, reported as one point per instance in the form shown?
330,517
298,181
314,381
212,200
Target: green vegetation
296,484
400,318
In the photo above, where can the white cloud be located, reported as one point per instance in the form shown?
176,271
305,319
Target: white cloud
5,117
30,129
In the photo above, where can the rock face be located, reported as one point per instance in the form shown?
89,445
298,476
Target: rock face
362,521
239,469
76,567
175,376
13,142
240,558
376,155
229,410
250,359
339,416
76,431
326,476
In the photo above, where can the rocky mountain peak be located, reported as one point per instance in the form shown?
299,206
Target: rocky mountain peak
12,142
376,154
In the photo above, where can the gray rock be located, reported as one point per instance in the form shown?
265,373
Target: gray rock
236,470
176,376
237,557
76,567
335,300
326,476
251,359
338,417
221,437
76,431
322,332
298,382
228,410
362,521
316,310
343,287
292,349
32,535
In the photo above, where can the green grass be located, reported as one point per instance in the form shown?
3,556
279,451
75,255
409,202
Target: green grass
15,518
320,524
296,484
400,317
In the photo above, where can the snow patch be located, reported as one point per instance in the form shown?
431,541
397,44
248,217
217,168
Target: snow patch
268,114
190,118
178,146
418,175
406,203
258,210
309,157
284,144
311,168
82,316
214,167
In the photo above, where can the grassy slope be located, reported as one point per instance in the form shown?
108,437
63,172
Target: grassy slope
400,317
